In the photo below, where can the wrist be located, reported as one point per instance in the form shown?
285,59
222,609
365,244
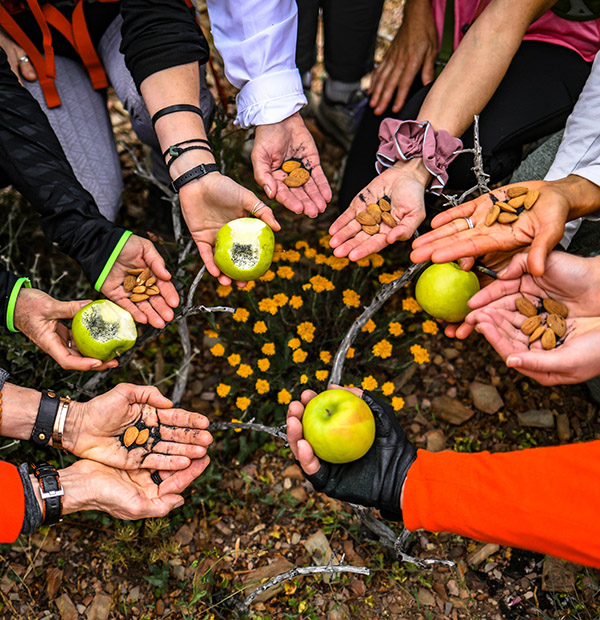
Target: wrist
581,196
19,411
18,304
188,160
416,169
73,426
75,481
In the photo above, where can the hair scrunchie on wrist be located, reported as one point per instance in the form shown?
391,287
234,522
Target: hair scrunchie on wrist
409,139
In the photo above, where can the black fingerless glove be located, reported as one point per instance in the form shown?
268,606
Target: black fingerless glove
376,479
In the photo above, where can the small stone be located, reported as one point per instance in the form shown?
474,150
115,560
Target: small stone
485,397
160,607
562,427
100,607
134,594
438,360
299,493
358,587
318,547
536,418
184,535
65,607
54,578
451,410
294,472
482,553
450,353
436,442
426,597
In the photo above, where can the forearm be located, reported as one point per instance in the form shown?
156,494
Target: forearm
543,499
581,194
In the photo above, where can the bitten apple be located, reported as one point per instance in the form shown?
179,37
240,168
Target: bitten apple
339,426
244,248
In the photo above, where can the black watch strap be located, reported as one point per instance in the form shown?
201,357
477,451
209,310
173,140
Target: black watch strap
52,492
44,423
195,173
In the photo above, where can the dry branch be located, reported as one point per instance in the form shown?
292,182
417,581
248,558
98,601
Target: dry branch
276,431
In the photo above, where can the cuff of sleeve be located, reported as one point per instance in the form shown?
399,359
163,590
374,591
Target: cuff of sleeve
12,503
270,98
111,260
12,302
404,140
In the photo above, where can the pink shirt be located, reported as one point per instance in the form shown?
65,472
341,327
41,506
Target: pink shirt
581,37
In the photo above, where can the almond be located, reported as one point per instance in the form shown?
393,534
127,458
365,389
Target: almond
140,288
530,324
548,339
555,307
517,202
142,438
365,219
137,297
128,283
130,436
150,281
525,307
297,177
506,207
492,215
537,333
375,212
371,230
144,276
557,324
152,290
384,204
134,272
513,192
290,164
388,218
507,218
530,198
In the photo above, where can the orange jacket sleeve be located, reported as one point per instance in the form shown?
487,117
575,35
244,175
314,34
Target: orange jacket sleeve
543,499
12,503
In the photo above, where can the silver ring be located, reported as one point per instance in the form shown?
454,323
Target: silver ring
469,222
69,343
257,207
24,59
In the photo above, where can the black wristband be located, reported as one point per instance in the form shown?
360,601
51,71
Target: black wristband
173,148
182,107
195,173
175,152
44,422
51,490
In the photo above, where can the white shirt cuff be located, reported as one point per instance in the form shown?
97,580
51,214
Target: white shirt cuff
270,98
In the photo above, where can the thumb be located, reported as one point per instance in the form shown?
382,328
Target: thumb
153,396
155,261
540,248
515,269
67,309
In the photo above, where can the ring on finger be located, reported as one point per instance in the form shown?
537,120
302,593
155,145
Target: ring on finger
69,343
257,207
469,222
24,59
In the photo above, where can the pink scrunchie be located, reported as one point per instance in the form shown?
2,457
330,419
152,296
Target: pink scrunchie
408,139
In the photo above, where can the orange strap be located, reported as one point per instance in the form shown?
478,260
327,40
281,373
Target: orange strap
12,503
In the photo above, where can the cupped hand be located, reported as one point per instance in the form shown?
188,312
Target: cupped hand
413,49
21,68
38,316
126,495
278,142
211,202
405,190
139,253
541,228
96,429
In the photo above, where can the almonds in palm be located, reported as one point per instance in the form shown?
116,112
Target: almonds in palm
130,436
555,307
525,307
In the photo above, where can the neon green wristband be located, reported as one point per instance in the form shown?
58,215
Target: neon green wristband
111,260
12,302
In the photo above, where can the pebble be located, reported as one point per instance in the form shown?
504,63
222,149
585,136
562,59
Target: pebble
536,418
485,397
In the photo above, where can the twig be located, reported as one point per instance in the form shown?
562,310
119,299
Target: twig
276,431
386,291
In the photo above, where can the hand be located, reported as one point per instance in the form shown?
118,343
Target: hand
211,202
127,495
38,316
139,253
414,48
541,227
274,144
376,479
94,430
404,184
14,53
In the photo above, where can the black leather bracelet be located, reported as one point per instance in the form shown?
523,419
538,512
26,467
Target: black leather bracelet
173,148
182,107
51,491
44,422
175,152
195,173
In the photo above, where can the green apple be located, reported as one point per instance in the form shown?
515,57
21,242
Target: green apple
444,289
103,330
339,426
244,248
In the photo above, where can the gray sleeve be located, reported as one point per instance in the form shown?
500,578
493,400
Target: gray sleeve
33,514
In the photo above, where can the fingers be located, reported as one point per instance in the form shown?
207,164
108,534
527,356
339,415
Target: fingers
183,436
178,481
493,292
66,309
344,227
154,260
176,452
70,358
260,210
206,254
322,184
170,461
144,394
183,419
26,68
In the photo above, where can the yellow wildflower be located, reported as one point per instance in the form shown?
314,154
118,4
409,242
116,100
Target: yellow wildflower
242,403
268,348
411,305
223,389
260,327
350,354
234,359
277,256
284,397
337,263
306,331
217,350
321,375
299,356
321,284
249,286
267,276
310,252
223,291
430,327
303,379
262,386
369,383
388,388
324,241
241,315
369,326
263,364
296,302
363,262
280,299
292,256
325,357
351,298
301,245
397,403
306,287
382,349
285,272
376,260
211,333
244,370
236,421
267,305
395,328
294,343
420,354
321,259
386,278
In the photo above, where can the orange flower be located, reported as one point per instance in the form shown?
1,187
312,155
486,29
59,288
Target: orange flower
268,348
260,327
430,327
325,357
299,356
397,403
321,375
395,328
382,349
242,403
411,305
262,386
285,272
388,388
244,370
351,298
369,326
369,383
241,315
420,354
218,350
306,331
284,397
223,291
263,364
296,302
234,359
294,343
223,389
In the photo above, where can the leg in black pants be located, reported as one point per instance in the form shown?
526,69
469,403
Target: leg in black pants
533,100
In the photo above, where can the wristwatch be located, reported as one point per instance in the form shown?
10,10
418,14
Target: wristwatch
51,490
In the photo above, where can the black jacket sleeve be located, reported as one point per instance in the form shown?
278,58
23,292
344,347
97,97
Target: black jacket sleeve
159,34
32,159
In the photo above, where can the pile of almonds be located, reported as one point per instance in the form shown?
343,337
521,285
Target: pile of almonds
376,213
297,173
141,284
520,199
134,435
550,325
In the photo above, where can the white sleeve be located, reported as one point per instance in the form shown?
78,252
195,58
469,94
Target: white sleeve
257,40
579,151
